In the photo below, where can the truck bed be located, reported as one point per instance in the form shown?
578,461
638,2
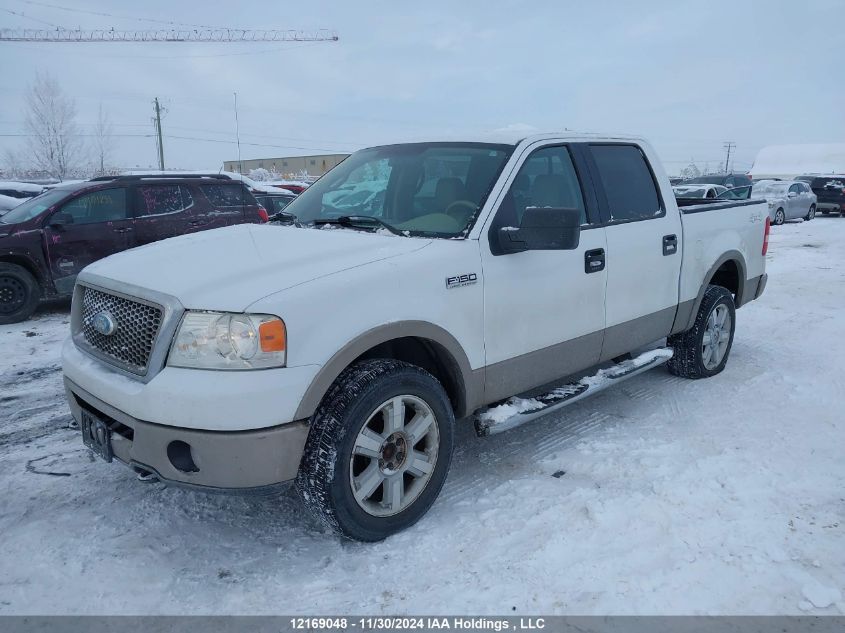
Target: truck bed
714,231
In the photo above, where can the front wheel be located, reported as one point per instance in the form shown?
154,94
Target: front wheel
811,213
19,293
780,217
378,451
703,350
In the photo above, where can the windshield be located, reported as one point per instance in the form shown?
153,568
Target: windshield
737,193
690,192
430,189
770,188
34,206
713,179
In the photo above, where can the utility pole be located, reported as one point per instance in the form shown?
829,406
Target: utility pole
238,136
158,135
728,146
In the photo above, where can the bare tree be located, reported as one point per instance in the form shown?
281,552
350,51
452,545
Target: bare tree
54,142
103,140
690,171
12,163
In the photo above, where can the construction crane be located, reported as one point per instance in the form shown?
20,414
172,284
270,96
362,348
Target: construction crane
210,36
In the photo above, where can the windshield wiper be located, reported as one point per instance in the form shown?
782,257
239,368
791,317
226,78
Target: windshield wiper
359,222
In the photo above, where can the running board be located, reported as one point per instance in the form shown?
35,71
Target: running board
517,411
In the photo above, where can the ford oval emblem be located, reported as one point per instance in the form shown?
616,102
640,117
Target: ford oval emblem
104,323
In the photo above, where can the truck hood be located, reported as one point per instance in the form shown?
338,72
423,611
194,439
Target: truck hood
228,269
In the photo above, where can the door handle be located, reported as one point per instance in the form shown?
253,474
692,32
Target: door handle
125,229
196,223
670,244
594,261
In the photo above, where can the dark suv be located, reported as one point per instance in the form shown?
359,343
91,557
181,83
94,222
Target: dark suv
830,192
47,240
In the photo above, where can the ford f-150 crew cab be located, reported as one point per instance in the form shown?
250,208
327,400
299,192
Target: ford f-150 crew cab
337,347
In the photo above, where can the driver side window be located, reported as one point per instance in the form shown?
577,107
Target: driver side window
106,205
546,179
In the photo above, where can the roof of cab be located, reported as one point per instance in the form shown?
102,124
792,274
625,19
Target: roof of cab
515,137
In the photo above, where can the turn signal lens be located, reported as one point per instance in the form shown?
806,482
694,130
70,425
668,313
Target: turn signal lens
766,235
273,336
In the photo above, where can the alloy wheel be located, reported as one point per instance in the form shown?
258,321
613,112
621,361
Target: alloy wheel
394,455
717,335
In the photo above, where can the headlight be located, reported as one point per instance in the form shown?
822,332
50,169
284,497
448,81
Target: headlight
216,340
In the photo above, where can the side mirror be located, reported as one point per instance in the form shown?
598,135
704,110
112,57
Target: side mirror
58,220
543,229
792,194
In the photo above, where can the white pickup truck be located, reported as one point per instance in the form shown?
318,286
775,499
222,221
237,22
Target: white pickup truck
413,285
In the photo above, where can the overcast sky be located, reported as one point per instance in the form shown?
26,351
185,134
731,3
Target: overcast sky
687,75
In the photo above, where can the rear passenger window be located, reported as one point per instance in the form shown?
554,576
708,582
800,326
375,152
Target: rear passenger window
224,195
627,181
161,199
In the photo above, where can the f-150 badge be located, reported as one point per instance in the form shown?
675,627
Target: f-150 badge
461,280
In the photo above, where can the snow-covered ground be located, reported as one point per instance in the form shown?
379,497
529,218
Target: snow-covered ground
662,495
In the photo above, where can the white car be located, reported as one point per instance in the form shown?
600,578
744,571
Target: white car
340,350
7,203
787,199
698,191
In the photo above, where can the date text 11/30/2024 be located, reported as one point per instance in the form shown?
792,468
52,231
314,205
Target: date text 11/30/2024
417,623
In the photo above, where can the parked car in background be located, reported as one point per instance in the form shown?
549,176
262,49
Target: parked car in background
7,203
788,199
21,190
295,186
737,193
47,240
698,191
830,193
274,202
726,180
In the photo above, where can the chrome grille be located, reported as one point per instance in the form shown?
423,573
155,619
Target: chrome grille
137,326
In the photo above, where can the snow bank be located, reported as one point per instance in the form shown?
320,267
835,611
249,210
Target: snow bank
658,496
791,161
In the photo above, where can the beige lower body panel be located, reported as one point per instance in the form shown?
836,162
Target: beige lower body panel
239,460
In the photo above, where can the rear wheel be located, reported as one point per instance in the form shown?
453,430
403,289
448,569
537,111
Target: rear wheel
19,293
811,213
703,350
780,217
378,451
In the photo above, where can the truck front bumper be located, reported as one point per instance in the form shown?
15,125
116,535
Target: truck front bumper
238,427
244,461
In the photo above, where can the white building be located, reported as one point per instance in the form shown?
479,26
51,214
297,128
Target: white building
791,161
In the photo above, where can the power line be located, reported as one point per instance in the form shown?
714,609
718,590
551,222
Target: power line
18,135
213,36
112,15
28,17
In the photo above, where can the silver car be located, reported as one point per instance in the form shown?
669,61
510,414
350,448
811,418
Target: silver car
788,199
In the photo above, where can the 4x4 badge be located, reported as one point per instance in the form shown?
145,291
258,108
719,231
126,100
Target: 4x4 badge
461,280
